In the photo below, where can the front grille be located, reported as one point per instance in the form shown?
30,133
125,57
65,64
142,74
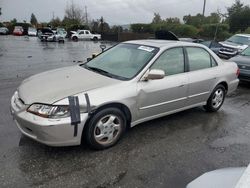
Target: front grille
227,49
244,67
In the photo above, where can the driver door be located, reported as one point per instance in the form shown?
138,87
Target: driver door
158,97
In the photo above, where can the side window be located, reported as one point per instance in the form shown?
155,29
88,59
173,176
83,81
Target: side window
82,32
213,62
86,32
198,58
171,61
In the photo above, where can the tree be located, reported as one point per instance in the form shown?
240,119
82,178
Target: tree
94,26
73,15
193,20
13,22
236,7
173,20
156,18
117,29
238,17
103,26
213,18
55,22
33,19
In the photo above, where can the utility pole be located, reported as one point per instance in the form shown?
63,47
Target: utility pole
86,16
204,8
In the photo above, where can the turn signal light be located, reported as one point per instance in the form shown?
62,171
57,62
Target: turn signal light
238,72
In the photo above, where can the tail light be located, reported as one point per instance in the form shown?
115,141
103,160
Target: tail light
238,72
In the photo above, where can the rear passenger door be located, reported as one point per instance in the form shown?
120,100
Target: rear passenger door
201,76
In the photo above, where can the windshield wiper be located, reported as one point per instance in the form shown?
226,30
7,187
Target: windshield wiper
103,72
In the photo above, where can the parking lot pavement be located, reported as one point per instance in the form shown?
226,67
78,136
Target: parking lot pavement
167,152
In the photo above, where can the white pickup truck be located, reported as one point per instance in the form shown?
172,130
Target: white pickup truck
84,34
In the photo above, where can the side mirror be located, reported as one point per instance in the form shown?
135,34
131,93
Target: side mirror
103,47
155,74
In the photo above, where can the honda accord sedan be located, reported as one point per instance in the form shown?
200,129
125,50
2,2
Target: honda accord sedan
128,84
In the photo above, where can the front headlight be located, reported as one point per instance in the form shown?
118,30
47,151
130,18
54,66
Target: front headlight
49,111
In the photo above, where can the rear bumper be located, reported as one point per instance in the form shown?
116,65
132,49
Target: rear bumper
52,132
232,86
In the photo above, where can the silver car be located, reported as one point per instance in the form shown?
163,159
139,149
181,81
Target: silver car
128,84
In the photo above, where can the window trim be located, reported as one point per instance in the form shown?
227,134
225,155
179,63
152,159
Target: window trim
184,59
188,64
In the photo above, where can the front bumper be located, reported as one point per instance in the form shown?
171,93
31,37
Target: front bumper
52,132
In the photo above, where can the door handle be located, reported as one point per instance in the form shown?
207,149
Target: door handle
182,85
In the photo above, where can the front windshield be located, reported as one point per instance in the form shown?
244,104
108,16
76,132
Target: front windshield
123,61
246,52
239,40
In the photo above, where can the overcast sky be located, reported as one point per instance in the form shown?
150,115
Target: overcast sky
113,11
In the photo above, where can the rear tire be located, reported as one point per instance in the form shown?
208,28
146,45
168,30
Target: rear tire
105,128
216,99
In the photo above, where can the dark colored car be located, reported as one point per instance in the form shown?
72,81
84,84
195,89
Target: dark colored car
213,45
243,62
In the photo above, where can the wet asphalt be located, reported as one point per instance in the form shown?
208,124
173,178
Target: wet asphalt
168,152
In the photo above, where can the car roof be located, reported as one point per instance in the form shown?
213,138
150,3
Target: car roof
243,35
162,43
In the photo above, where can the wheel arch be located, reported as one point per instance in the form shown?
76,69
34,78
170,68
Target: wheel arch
223,83
118,105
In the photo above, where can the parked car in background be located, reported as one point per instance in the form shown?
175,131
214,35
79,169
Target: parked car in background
18,31
213,45
243,62
32,31
4,31
84,35
62,32
133,82
234,45
44,33
47,35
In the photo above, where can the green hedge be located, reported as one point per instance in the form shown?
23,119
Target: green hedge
181,30
209,30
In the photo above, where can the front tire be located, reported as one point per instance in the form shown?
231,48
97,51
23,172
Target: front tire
105,128
216,99
75,39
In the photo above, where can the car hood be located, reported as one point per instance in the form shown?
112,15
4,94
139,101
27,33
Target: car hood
233,45
227,177
241,60
51,86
